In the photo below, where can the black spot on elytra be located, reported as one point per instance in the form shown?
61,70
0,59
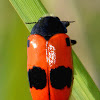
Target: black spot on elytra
60,77
37,77
28,43
68,41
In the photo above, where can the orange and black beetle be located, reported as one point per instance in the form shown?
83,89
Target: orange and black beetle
49,60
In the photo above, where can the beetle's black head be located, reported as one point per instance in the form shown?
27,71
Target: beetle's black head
48,26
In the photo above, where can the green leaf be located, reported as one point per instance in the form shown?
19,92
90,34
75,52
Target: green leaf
29,10
83,87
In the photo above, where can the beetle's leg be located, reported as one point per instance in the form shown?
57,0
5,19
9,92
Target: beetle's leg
73,42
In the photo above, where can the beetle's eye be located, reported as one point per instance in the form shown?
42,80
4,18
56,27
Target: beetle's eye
66,23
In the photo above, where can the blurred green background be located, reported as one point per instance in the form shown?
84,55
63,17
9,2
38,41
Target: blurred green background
13,43
13,52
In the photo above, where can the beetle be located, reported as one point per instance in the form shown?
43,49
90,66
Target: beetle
49,59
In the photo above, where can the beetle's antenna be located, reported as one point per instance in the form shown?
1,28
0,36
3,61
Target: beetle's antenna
30,22
67,23
71,21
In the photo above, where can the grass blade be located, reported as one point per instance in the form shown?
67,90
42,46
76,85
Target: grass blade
83,88
29,10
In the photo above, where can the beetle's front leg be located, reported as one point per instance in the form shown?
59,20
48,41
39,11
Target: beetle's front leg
73,42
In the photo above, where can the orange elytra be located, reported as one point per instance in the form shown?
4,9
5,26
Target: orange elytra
49,60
